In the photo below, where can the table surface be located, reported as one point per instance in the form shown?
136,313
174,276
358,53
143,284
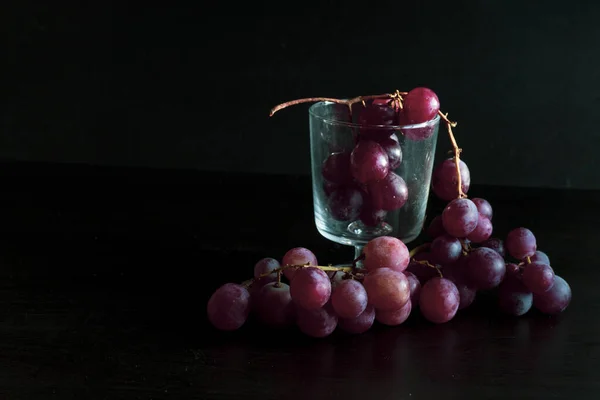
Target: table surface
106,273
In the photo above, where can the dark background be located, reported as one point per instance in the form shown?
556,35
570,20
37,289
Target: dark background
190,86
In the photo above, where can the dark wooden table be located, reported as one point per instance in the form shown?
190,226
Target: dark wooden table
105,274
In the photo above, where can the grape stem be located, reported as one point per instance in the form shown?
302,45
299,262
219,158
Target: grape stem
457,151
419,249
427,263
528,260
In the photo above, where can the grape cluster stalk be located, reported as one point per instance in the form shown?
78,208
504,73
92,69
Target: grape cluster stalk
438,278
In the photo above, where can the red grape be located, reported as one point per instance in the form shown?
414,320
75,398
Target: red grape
386,252
371,216
521,243
317,323
345,203
513,297
297,256
266,265
369,162
377,112
228,307
394,317
349,299
456,273
391,146
541,257
444,180
482,231
274,305
538,277
485,268
360,324
310,288
495,244
387,289
336,168
436,227
460,217
439,300
420,105
483,206
555,300
389,193
414,286
445,249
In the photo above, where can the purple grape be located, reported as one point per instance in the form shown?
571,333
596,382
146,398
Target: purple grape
345,204
460,217
483,206
520,243
485,269
389,193
360,324
274,305
316,323
310,288
387,289
420,105
371,216
377,112
456,273
513,270
329,187
386,252
495,244
439,300
513,297
482,231
228,307
555,300
445,249
436,227
540,257
391,146
349,299
394,317
297,256
444,180
265,266
336,168
538,277
415,287
422,272
369,162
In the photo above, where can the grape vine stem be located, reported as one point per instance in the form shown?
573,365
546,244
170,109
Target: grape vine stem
428,264
457,151
419,249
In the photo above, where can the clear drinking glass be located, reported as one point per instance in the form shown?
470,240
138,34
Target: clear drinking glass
349,212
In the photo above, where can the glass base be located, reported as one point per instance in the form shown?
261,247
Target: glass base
359,228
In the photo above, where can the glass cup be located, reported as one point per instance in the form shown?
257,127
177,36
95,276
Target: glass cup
353,211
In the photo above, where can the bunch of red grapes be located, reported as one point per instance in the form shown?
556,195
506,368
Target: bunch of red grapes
439,279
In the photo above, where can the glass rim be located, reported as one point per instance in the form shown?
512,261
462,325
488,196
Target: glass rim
333,121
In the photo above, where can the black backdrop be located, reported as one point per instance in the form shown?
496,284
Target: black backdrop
184,86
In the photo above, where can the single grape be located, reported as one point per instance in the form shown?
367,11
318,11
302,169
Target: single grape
274,305
495,244
540,257
513,270
349,299
436,227
360,324
538,277
439,300
228,307
422,272
265,266
297,256
444,179
420,105
482,231
318,322
460,217
484,207
310,288
485,268
345,204
456,273
377,112
394,317
386,252
555,300
371,216
336,168
445,249
414,286
389,193
391,146
520,243
387,289
415,133
513,297
369,162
